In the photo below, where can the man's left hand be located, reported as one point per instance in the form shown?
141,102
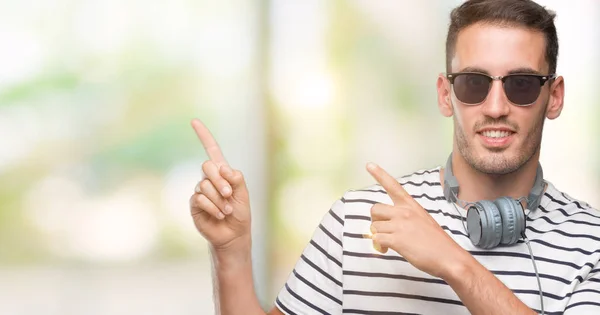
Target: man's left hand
409,230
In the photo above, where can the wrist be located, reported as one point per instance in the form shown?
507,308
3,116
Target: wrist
233,279
234,255
460,269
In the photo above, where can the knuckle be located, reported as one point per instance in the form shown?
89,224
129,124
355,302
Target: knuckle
205,185
224,183
207,165
385,240
405,213
373,208
201,200
374,228
238,176
206,205
379,210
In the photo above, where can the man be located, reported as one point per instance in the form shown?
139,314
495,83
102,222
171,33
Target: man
451,251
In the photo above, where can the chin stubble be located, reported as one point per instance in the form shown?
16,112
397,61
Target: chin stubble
497,162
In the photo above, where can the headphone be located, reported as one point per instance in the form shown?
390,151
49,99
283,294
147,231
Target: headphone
501,221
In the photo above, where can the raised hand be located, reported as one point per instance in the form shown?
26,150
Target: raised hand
409,230
220,205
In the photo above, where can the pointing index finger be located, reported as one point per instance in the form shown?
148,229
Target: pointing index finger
389,183
208,141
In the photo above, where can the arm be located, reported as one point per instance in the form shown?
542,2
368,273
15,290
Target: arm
397,227
220,208
233,284
480,291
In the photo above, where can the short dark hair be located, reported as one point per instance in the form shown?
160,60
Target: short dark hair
523,13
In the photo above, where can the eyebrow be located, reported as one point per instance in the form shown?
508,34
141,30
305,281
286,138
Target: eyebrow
522,70
475,69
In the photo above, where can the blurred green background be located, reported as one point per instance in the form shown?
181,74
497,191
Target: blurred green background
98,160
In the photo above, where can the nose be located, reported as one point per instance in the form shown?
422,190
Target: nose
496,104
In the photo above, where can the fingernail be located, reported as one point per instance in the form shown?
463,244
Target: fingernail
226,191
228,209
220,216
197,189
373,230
371,166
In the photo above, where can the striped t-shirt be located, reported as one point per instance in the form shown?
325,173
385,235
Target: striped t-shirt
339,272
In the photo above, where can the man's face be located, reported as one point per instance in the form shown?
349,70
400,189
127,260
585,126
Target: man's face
497,137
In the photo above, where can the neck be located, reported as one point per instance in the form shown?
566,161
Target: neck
475,185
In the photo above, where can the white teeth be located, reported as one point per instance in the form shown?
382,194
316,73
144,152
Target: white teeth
495,134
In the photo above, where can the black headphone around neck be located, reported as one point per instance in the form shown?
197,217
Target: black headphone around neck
501,221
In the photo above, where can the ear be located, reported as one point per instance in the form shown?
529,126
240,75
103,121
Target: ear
444,95
556,100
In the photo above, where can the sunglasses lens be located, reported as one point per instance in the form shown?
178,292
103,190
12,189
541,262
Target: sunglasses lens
522,89
471,88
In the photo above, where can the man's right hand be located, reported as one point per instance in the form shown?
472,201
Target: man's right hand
220,205
226,229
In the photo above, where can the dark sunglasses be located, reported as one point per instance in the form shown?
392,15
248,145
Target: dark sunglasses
472,88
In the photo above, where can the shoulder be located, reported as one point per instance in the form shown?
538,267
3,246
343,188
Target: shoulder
560,200
563,209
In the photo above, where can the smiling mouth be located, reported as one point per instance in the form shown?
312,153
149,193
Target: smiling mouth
496,139
496,134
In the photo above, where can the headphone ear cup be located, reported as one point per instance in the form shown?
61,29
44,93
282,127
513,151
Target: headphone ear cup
484,224
513,219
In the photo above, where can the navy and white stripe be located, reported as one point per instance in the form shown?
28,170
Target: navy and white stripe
340,272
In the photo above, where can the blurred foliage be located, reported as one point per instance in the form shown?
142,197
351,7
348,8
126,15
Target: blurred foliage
152,102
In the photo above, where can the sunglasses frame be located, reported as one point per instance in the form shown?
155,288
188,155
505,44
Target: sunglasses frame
543,79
